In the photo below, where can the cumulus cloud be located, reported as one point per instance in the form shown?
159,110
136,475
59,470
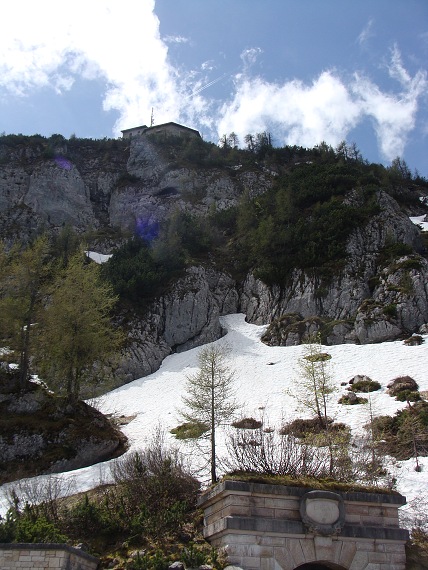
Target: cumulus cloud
394,115
326,109
119,44
94,40
299,114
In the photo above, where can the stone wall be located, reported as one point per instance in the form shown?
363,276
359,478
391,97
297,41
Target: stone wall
45,557
273,527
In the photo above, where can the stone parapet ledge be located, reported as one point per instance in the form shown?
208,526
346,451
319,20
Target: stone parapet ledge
41,556
246,487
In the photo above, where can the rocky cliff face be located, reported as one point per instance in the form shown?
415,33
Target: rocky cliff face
371,298
188,316
90,187
47,188
366,302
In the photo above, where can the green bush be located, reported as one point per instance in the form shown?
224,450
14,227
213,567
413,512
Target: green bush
149,561
402,384
27,527
133,272
365,386
88,518
304,222
194,556
348,401
404,431
408,396
302,428
390,310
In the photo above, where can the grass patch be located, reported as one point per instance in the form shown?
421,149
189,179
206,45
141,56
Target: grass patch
303,428
247,423
365,386
189,430
309,482
348,400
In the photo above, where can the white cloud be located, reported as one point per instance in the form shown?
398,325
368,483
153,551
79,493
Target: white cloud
366,33
396,68
176,40
208,65
327,109
299,114
44,45
120,44
249,56
394,115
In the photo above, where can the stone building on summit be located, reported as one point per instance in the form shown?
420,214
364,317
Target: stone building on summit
166,129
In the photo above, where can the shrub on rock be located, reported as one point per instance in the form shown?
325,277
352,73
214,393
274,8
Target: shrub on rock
402,384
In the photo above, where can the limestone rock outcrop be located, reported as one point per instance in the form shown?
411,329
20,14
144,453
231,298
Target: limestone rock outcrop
41,433
184,318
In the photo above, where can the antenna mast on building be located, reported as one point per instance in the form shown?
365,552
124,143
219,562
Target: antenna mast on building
152,119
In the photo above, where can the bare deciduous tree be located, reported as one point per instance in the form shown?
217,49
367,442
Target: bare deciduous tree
210,399
315,382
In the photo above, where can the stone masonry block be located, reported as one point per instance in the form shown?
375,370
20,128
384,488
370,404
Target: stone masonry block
238,538
267,564
294,546
261,551
272,540
391,521
378,557
285,559
353,519
360,561
287,515
393,547
308,548
356,509
371,521
397,558
285,504
253,550
347,552
249,562
367,545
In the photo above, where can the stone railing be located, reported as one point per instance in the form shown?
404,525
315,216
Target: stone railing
45,557
264,526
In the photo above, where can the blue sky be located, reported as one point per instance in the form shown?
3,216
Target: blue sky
305,70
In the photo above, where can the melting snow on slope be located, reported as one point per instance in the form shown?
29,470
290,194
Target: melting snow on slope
263,375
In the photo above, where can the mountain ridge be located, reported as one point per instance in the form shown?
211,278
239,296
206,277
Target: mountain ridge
359,275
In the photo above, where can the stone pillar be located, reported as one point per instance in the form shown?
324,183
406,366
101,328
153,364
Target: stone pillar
273,527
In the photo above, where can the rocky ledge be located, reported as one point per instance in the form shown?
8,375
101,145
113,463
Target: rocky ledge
44,433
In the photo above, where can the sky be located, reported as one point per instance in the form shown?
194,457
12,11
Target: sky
265,377
307,71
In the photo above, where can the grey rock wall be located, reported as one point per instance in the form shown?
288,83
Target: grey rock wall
187,317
